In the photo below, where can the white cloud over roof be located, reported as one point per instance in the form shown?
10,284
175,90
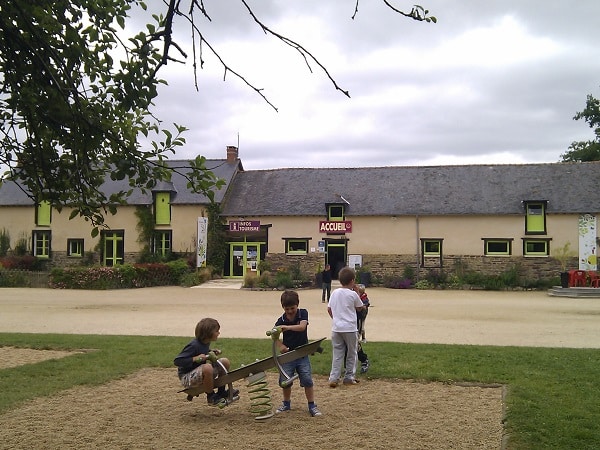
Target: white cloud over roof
495,82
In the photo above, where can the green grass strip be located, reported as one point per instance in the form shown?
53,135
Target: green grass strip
552,400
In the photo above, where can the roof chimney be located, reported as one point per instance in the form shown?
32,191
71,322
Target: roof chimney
232,154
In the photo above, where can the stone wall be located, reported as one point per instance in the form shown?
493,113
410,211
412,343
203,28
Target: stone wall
529,268
60,259
309,264
382,266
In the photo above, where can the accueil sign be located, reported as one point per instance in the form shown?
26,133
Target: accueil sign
335,227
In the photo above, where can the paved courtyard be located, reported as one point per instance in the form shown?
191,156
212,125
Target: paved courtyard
420,316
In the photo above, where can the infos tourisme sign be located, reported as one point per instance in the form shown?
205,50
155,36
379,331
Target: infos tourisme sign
245,226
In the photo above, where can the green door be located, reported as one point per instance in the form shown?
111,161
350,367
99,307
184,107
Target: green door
244,258
114,248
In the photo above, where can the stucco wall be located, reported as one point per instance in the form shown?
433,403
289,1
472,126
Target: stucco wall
462,235
20,221
387,244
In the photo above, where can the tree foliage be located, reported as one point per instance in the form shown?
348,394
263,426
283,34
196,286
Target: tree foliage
76,96
586,150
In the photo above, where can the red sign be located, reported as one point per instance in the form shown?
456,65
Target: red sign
335,227
245,226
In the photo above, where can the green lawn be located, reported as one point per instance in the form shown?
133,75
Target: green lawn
553,394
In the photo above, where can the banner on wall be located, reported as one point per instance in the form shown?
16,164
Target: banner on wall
202,241
588,251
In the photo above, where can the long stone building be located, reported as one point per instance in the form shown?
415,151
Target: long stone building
484,217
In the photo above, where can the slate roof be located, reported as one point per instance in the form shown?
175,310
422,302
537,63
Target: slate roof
569,188
11,195
423,190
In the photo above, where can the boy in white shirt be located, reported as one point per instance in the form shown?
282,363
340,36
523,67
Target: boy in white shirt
342,308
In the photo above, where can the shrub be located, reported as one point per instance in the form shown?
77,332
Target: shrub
178,269
264,266
4,242
408,273
24,262
436,278
98,278
21,246
295,271
454,282
124,276
423,284
250,280
510,278
264,280
283,280
397,282
10,278
190,279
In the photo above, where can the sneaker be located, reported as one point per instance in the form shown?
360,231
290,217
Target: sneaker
314,411
283,408
213,399
350,382
225,394
333,384
365,366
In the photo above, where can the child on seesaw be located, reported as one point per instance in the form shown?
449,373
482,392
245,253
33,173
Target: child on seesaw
194,367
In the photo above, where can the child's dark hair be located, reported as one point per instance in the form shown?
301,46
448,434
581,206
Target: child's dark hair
206,328
346,276
290,298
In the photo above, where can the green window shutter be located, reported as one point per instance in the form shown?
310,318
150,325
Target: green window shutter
536,222
43,214
162,208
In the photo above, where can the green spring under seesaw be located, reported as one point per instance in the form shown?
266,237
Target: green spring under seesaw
260,396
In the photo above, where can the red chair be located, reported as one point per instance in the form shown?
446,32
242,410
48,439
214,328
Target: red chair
594,278
577,278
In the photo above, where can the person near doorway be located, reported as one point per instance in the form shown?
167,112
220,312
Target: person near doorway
326,283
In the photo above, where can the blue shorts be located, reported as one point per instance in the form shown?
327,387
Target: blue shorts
302,367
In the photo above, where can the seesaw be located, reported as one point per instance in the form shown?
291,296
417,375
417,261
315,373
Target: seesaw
255,374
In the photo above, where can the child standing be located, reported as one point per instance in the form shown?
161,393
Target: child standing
342,308
293,323
192,367
362,315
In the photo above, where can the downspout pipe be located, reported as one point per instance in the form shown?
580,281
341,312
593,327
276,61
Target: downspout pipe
418,242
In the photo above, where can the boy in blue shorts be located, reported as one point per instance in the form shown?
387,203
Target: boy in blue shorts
293,324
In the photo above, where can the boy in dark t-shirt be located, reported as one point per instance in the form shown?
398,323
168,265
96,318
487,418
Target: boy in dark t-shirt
194,367
293,324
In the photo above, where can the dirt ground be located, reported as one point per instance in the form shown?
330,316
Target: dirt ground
143,411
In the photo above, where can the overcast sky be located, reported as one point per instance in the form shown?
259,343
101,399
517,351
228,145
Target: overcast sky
494,81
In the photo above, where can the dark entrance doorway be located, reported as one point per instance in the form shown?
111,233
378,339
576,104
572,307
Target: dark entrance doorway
336,256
